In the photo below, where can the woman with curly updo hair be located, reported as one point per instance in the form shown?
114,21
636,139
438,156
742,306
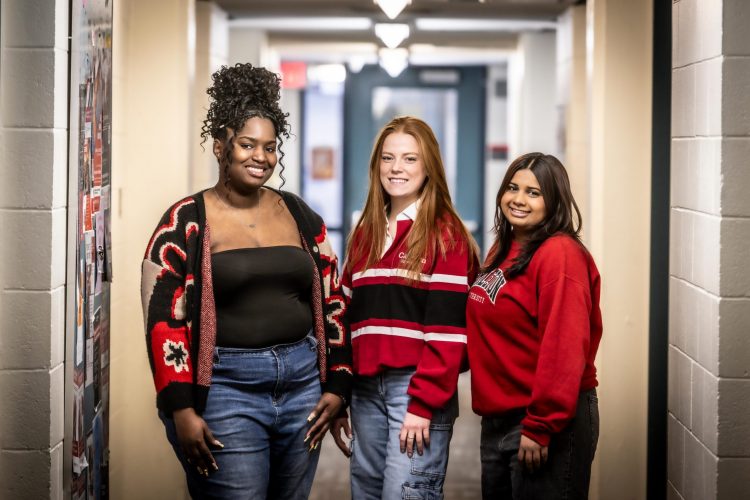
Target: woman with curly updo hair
245,326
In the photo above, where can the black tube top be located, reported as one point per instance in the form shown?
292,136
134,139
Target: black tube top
262,296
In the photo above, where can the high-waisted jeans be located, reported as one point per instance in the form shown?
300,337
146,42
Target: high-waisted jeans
257,407
379,469
565,475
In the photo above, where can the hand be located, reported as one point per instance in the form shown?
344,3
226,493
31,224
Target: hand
339,424
531,454
328,407
195,437
417,429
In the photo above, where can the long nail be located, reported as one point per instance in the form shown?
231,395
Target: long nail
311,417
218,443
308,437
216,467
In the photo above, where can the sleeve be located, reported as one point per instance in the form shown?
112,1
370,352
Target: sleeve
444,353
166,289
564,307
338,334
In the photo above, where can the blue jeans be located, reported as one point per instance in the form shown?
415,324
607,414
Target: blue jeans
379,469
566,473
257,407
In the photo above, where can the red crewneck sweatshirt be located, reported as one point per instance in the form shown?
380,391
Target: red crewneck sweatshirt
532,339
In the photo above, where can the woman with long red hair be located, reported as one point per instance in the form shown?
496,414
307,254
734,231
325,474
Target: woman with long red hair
409,264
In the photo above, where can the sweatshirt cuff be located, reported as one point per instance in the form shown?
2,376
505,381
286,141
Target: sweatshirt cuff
339,383
419,409
175,396
541,438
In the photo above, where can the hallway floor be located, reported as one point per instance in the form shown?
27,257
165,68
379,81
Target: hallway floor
462,483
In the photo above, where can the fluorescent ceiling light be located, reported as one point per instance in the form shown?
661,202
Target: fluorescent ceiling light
356,63
304,23
392,34
392,8
394,61
512,25
327,73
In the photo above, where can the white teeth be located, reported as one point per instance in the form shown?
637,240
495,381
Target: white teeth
255,170
398,181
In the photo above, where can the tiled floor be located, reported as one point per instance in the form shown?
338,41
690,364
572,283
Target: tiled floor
462,483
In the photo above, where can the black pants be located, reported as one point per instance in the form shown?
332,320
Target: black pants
565,475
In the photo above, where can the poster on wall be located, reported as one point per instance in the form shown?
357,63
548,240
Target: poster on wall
90,263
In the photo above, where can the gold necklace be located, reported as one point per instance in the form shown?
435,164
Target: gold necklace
250,225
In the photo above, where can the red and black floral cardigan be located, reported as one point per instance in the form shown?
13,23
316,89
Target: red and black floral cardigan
180,314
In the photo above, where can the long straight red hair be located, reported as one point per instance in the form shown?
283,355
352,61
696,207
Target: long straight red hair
436,212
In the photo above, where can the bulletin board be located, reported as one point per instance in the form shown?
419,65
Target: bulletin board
86,444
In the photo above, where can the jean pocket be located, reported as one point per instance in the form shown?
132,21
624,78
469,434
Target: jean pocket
419,491
312,341
434,462
593,401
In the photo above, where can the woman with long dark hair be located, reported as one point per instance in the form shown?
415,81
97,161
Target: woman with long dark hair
245,324
534,326
409,262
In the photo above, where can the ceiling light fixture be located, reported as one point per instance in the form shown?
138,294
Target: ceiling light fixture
491,25
392,34
393,61
392,8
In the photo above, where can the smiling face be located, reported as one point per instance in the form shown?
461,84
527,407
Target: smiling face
522,203
402,171
254,155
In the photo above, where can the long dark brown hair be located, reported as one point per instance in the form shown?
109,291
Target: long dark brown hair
562,213
436,211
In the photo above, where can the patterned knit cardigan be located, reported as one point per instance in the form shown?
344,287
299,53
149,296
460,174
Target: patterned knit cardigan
180,313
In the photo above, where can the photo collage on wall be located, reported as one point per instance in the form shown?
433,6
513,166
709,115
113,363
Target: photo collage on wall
92,33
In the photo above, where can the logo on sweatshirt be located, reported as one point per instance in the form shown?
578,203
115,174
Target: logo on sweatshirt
491,283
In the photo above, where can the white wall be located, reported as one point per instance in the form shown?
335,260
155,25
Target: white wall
33,216
532,114
709,313
572,111
211,52
154,60
619,62
496,130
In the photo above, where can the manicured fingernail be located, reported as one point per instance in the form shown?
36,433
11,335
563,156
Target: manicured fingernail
317,444
306,438
218,443
312,447
311,417
216,467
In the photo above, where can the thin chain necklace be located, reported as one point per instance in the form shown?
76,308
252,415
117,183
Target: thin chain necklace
250,225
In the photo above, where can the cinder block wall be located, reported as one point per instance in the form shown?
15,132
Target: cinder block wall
709,352
33,216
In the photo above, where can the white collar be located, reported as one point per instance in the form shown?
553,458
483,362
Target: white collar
410,212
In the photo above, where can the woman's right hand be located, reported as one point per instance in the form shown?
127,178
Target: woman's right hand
339,424
195,438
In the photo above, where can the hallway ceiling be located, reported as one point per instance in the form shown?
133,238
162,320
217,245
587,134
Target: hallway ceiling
470,24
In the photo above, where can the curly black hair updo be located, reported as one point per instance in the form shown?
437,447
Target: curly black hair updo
241,92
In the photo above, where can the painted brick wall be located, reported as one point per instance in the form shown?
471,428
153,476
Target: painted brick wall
33,198
709,352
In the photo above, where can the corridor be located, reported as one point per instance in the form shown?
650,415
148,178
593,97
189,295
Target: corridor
644,101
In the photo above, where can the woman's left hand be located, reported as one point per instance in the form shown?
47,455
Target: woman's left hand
328,407
531,454
417,429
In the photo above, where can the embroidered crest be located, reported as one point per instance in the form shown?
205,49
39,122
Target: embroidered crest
175,355
491,283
